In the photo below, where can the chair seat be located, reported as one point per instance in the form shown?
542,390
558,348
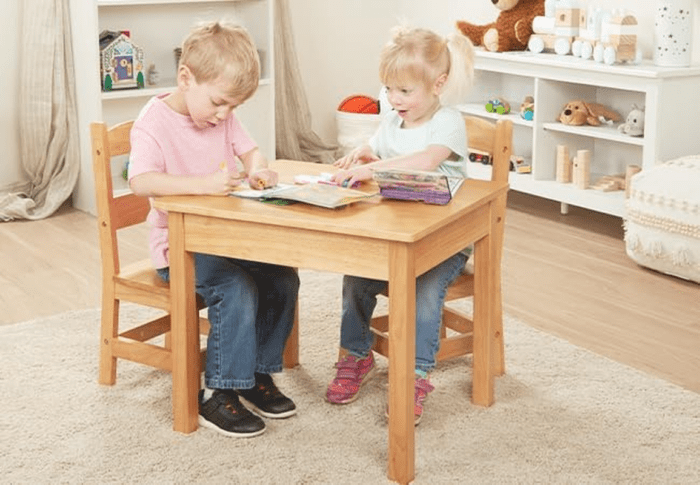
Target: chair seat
139,283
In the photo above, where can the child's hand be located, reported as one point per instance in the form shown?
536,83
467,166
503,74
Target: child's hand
363,154
223,182
345,178
263,179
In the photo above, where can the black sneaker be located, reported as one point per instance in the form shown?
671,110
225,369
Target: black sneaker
224,413
267,400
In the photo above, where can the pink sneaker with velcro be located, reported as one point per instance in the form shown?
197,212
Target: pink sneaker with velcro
351,373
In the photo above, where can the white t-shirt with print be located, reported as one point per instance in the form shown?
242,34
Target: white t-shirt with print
445,128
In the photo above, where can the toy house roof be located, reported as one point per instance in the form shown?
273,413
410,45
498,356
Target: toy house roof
118,41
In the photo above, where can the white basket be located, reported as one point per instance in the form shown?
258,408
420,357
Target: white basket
355,129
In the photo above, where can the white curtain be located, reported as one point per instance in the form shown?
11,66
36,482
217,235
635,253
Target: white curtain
295,138
47,112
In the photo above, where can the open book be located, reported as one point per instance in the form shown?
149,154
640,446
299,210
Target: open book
429,187
322,195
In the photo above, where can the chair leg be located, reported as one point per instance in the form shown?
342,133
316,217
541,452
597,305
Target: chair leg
109,331
499,361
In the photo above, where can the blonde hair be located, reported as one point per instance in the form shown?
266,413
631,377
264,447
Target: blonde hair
215,50
420,55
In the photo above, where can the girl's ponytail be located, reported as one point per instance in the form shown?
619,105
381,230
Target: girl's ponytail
461,75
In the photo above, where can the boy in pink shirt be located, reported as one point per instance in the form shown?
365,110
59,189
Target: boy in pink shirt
188,142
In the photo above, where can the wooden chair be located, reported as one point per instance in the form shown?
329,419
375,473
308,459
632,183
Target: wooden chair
496,139
138,282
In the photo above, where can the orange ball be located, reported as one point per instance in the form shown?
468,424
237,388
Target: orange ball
359,103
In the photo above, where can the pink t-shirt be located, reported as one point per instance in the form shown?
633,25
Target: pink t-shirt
163,140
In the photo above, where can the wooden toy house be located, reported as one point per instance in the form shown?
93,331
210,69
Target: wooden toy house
121,61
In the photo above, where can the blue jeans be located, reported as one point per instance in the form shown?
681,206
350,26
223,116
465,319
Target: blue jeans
360,299
251,311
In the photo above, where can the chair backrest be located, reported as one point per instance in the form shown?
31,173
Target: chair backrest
113,212
494,138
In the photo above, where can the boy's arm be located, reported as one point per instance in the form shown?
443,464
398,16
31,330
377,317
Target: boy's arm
153,184
259,175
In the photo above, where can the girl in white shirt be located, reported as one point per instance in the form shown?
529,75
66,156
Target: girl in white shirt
422,71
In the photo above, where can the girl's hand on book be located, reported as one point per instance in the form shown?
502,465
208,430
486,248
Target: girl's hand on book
346,178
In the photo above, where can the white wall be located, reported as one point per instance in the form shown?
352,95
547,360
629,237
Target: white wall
11,174
338,43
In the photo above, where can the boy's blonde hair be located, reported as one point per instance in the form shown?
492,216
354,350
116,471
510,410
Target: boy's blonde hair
222,50
421,55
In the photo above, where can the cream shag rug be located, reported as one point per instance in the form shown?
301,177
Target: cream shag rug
562,415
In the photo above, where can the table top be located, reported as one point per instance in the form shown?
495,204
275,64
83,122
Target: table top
396,220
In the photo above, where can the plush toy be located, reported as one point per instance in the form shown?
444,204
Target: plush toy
512,28
527,108
579,113
634,124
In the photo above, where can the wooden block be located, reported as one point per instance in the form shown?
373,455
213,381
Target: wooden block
582,169
564,165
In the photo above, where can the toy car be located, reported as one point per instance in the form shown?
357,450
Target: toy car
497,105
479,156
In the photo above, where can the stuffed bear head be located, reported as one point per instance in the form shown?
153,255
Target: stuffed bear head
512,28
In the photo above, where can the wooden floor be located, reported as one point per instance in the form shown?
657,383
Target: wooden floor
567,275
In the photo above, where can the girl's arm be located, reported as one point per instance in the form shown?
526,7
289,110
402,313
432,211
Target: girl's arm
428,160
259,175
361,154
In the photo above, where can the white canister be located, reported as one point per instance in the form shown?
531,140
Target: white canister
673,29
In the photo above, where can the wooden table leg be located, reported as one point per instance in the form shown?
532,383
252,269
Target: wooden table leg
184,329
290,357
484,289
402,358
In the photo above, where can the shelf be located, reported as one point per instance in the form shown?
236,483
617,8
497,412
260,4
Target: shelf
599,132
542,62
476,109
607,202
164,87
668,94
126,3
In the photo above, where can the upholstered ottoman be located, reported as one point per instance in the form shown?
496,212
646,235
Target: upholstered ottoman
662,220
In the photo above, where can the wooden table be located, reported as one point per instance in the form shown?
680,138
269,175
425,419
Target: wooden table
383,239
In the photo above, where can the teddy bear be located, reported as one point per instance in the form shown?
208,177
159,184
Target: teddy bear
579,113
512,28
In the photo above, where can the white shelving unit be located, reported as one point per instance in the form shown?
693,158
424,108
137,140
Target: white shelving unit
668,94
158,27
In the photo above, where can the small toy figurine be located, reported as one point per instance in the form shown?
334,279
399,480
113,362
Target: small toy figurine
152,76
634,124
527,108
498,105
